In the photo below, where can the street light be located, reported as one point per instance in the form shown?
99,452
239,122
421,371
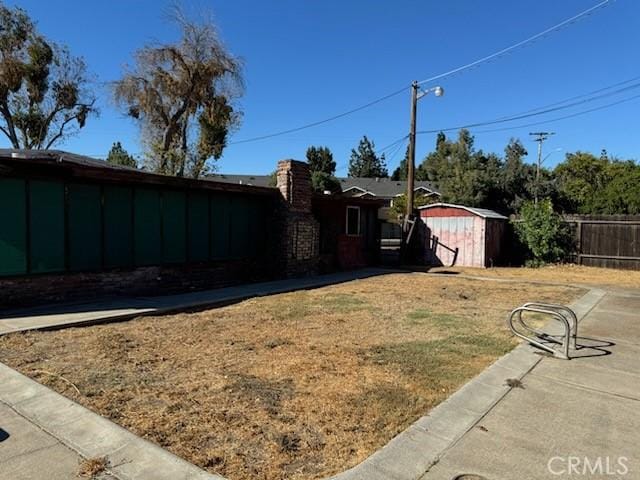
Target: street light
416,94
559,149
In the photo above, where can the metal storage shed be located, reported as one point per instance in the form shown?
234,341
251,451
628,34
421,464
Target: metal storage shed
463,236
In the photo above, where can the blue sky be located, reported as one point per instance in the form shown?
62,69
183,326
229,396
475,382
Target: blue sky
308,60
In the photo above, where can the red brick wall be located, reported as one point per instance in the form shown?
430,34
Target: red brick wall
147,281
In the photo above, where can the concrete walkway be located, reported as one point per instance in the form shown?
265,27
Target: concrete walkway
28,452
572,419
57,316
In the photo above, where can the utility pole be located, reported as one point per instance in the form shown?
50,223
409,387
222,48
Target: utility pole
409,221
540,138
411,161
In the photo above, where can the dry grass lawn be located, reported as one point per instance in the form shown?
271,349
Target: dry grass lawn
291,386
565,274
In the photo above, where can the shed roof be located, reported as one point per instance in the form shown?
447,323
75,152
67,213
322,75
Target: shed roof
481,212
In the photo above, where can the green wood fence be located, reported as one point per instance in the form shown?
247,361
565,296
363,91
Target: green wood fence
50,226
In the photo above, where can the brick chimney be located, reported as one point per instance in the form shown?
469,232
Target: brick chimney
300,246
294,183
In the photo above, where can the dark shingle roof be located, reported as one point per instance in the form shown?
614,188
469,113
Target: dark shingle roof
256,180
383,187
378,187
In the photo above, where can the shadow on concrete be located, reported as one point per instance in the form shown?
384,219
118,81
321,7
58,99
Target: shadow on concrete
587,347
3,435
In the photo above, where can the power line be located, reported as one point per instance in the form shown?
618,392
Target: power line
588,94
517,45
565,117
537,111
378,152
439,76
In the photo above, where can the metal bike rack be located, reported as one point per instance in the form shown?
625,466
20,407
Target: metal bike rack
561,313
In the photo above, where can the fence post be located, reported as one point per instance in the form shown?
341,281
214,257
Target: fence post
579,242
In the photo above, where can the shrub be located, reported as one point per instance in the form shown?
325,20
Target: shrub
543,233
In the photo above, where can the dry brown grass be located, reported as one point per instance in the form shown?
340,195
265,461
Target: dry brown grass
92,467
298,385
565,274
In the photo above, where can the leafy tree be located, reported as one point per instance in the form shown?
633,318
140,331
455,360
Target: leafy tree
365,163
181,94
399,207
581,178
323,168
542,231
462,174
320,159
517,177
43,88
119,156
622,193
273,179
322,181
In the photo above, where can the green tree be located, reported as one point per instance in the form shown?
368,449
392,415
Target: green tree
399,207
322,181
119,156
320,159
542,231
621,195
581,179
43,88
462,174
181,94
517,177
365,163
400,173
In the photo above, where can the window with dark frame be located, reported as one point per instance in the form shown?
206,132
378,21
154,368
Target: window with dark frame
353,221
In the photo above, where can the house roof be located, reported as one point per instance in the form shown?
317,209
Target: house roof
374,187
256,180
71,165
481,212
383,187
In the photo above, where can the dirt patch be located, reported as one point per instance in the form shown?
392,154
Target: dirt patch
291,386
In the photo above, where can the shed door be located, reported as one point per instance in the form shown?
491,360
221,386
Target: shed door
450,233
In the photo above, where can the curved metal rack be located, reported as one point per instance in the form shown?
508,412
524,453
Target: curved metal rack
561,313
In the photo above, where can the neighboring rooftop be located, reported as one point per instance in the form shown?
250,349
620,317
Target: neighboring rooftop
365,186
256,180
383,187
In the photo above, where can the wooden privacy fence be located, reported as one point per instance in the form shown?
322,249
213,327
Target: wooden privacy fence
51,226
611,241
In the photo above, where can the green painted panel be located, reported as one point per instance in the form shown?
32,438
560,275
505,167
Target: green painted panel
258,233
220,209
46,226
13,227
118,226
147,227
240,218
174,226
198,226
84,227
